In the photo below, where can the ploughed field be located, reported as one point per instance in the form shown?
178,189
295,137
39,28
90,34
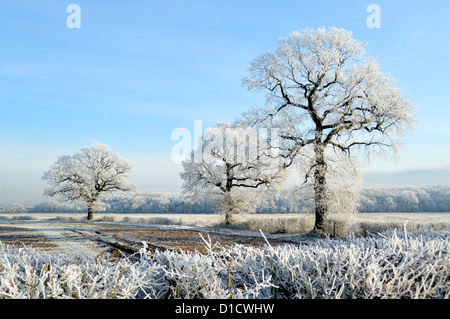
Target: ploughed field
96,238
70,233
68,257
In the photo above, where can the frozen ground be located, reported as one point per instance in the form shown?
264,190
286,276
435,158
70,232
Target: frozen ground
391,265
68,257
70,233
211,219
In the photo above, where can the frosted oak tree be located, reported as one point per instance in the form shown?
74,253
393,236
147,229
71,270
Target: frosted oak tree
324,93
87,174
232,159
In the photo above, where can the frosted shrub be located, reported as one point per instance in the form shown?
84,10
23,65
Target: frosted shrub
389,265
28,273
300,225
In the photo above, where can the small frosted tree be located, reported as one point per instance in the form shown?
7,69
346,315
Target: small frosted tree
86,175
322,92
228,162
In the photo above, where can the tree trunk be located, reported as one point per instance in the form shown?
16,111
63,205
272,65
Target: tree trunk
228,216
229,208
320,182
90,215
228,199
90,205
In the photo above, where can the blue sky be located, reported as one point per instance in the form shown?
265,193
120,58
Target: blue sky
136,70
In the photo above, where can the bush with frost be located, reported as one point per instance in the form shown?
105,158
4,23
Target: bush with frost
389,265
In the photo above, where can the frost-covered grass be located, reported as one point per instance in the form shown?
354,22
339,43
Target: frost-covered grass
342,226
357,224
389,265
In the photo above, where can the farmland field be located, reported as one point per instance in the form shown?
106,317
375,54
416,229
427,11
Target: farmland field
69,232
192,256
210,219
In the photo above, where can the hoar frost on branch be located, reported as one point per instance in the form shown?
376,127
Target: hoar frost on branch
233,160
325,94
87,174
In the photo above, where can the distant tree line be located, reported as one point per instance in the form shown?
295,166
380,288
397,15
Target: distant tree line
406,199
292,200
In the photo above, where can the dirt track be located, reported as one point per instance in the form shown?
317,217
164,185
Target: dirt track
93,239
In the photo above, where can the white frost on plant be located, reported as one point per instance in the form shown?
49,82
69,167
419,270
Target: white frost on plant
86,175
233,160
325,94
387,265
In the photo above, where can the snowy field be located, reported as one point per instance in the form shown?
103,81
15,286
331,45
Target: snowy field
269,223
212,219
389,264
